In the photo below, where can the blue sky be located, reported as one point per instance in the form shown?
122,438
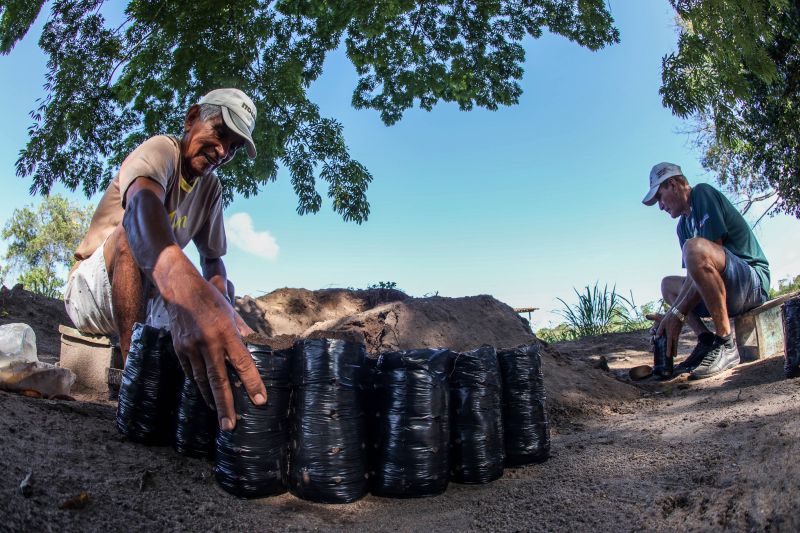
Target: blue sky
524,203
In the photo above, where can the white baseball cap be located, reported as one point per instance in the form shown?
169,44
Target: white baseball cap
238,112
658,175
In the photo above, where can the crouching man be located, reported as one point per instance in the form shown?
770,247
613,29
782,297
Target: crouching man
165,195
727,272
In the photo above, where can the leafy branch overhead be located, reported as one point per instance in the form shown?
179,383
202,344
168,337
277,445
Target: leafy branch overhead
110,87
737,72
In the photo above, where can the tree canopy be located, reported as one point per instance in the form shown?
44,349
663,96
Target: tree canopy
42,241
737,71
110,87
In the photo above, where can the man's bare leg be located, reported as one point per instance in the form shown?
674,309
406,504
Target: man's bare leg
670,288
127,287
705,262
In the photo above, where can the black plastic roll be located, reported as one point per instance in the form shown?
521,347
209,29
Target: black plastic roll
371,414
526,429
252,460
662,361
476,417
196,430
412,397
791,338
329,450
150,388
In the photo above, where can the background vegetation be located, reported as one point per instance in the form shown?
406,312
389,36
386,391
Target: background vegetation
110,86
598,311
42,240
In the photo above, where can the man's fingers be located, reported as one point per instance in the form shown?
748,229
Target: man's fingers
242,362
670,345
655,317
200,377
221,389
186,366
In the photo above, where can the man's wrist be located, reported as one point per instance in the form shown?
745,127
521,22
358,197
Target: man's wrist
680,316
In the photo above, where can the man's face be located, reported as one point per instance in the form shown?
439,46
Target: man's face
207,145
670,200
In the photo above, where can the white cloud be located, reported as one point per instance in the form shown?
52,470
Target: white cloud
239,230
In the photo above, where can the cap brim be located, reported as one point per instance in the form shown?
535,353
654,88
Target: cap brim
239,129
650,198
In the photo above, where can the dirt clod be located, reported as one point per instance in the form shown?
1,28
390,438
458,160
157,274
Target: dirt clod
79,501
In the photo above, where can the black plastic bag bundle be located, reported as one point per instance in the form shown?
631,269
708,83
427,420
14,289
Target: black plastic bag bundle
791,338
476,417
527,432
196,430
328,461
252,460
150,388
413,428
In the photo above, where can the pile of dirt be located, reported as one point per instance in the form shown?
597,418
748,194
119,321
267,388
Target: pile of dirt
292,311
389,320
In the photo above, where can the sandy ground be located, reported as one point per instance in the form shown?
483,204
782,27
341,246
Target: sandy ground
718,454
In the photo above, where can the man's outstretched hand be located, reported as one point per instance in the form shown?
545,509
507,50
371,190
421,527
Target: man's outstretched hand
205,333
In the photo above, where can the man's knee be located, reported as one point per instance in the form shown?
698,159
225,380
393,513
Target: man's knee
700,253
117,251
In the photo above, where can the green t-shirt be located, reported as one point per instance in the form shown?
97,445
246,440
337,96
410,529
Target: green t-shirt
713,217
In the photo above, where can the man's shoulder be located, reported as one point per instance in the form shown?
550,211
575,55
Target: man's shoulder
705,189
165,143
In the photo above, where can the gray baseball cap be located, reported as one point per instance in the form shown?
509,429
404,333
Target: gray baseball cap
658,175
238,112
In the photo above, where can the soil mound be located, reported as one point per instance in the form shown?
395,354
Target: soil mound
292,311
456,323
389,320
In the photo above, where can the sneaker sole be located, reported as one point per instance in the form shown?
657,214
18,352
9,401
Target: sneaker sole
695,377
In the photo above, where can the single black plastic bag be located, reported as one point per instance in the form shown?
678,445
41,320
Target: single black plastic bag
328,461
663,362
150,388
476,417
527,431
252,460
196,431
791,338
412,399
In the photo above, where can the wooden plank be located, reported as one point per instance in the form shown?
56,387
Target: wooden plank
759,332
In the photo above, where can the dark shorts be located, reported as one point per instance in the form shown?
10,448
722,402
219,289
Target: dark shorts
743,287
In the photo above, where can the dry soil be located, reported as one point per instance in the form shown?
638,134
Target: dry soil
718,454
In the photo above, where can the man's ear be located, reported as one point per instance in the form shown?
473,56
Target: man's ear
191,117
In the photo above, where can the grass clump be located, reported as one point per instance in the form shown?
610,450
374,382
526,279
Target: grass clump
598,310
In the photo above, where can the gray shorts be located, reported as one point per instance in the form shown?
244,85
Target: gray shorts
742,285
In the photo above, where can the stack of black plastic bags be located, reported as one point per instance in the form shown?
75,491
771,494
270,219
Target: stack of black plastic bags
339,424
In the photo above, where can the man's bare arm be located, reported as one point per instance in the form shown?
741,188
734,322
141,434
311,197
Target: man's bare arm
204,328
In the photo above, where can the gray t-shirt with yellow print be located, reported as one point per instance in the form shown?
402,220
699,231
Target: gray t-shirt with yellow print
195,210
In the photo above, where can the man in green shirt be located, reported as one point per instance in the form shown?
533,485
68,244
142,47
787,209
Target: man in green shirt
727,272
